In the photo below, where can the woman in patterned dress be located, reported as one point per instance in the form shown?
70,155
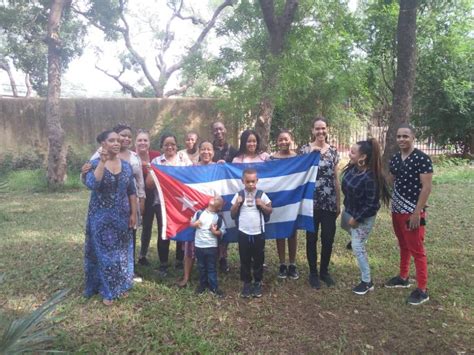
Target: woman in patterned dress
108,257
326,204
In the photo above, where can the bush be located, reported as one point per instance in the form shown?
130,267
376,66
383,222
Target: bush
76,158
446,161
26,160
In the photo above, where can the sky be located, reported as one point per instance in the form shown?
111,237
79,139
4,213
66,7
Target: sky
82,79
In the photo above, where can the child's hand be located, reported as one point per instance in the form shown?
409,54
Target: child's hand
196,224
240,200
215,231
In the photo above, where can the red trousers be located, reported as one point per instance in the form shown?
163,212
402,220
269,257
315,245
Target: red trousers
411,243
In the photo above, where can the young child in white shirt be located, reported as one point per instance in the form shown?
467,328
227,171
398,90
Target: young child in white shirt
210,227
250,208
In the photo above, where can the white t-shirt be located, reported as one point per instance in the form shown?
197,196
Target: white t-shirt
250,220
204,237
193,158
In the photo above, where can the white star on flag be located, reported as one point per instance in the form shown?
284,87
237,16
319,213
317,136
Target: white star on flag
187,203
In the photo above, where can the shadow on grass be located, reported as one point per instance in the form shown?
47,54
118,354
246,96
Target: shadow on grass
42,250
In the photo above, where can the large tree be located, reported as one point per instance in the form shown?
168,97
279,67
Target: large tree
317,72
278,26
113,18
23,29
444,92
405,77
57,150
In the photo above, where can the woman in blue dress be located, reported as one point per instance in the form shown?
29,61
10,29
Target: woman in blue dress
108,257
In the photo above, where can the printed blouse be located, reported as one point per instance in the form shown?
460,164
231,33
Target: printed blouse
324,196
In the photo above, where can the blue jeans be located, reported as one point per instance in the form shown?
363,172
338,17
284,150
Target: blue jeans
207,266
359,237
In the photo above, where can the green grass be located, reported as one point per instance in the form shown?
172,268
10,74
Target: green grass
35,181
41,251
454,175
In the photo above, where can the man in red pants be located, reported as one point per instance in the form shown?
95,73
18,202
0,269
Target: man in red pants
411,172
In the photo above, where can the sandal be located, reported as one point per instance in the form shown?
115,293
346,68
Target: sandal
107,302
182,284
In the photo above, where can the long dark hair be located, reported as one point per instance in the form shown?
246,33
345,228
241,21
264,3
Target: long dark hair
373,161
244,137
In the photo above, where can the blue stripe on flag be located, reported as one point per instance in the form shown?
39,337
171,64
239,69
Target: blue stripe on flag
295,191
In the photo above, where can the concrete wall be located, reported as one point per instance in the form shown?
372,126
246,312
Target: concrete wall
23,121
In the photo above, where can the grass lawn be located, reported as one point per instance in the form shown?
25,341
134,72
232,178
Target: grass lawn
41,251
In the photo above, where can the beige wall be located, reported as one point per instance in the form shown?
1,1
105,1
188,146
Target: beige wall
23,121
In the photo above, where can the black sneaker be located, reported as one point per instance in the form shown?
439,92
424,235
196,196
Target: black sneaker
218,293
223,266
418,297
163,271
293,272
327,279
397,282
349,246
314,281
143,261
283,271
246,290
257,290
200,290
363,288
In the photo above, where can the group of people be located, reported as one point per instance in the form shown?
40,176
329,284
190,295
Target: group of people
124,193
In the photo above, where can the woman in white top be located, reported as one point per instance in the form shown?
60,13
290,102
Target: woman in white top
249,149
169,156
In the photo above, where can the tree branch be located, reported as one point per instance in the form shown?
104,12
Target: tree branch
202,36
384,78
5,66
286,19
29,89
181,90
268,10
133,52
126,87
95,23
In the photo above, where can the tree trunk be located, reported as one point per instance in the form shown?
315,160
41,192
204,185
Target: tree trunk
405,78
278,28
57,150
29,88
5,66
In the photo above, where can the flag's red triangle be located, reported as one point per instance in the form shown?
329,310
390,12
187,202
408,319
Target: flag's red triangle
180,202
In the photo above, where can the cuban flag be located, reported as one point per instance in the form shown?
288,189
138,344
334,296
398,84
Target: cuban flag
289,183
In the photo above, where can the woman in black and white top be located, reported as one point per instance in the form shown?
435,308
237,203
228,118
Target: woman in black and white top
326,203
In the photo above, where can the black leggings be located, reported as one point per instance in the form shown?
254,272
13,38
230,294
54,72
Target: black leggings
163,246
327,220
